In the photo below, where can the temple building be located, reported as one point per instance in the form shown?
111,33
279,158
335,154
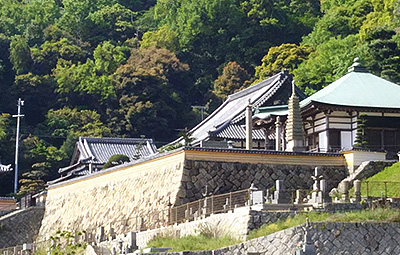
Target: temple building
227,122
91,153
357,110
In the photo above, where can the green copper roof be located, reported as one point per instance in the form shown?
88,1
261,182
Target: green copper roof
358,88
268,111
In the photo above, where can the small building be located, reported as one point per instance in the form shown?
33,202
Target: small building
357,110
227,122
91,153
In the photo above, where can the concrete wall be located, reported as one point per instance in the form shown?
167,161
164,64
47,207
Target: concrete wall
20,227
128,196
327,238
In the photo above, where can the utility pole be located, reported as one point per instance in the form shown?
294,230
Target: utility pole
18,116
202,108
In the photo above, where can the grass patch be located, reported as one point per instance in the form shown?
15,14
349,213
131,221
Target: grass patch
377,215
207,242
288,223
192,243
376,185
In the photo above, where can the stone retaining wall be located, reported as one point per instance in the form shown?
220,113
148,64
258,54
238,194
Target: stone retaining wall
123,198
131,196
236,224
20,226
328,239
223,177
366,170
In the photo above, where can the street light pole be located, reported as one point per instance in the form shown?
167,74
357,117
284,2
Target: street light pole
18,116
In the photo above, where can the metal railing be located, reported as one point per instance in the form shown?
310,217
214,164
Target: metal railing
380,189
11,250
208,205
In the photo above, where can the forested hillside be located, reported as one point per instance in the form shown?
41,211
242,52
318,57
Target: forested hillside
136,67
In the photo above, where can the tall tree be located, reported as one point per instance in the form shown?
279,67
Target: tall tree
384,54
20,55
152,90
286,56
232,79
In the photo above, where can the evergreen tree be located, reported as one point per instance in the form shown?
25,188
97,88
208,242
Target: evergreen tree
384,54
361,140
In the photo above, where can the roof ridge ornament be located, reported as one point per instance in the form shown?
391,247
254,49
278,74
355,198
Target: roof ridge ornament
357,67
293,88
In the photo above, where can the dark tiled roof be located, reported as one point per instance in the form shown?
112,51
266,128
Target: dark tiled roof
269,152
236,132
99,150
232,111
235,105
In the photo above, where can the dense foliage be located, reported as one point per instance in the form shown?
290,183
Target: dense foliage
132,68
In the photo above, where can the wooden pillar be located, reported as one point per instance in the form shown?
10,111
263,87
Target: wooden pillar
278,131
249,128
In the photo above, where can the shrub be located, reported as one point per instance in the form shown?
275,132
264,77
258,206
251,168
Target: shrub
115,160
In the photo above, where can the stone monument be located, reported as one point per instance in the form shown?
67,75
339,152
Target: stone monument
281,196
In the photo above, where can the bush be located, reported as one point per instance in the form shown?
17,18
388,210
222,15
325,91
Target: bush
115,160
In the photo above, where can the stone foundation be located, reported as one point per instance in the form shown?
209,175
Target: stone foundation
327,238
20,226
223,177
137,195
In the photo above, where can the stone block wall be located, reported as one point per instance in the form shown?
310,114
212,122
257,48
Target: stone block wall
236,224
223,177
233,224
370,168
259,218
20,226
366,170
327,238
128,197
124,198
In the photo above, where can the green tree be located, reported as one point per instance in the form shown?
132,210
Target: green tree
108,57
163,37
43,160
115,160
20,55
112,22
286,56
152,94
383,56
361,136
29,87
4,122
326,64
232,79
45,57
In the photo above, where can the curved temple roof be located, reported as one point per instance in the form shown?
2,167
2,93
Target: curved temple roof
358,88
224,120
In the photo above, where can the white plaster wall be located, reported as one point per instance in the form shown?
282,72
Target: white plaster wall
323,141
